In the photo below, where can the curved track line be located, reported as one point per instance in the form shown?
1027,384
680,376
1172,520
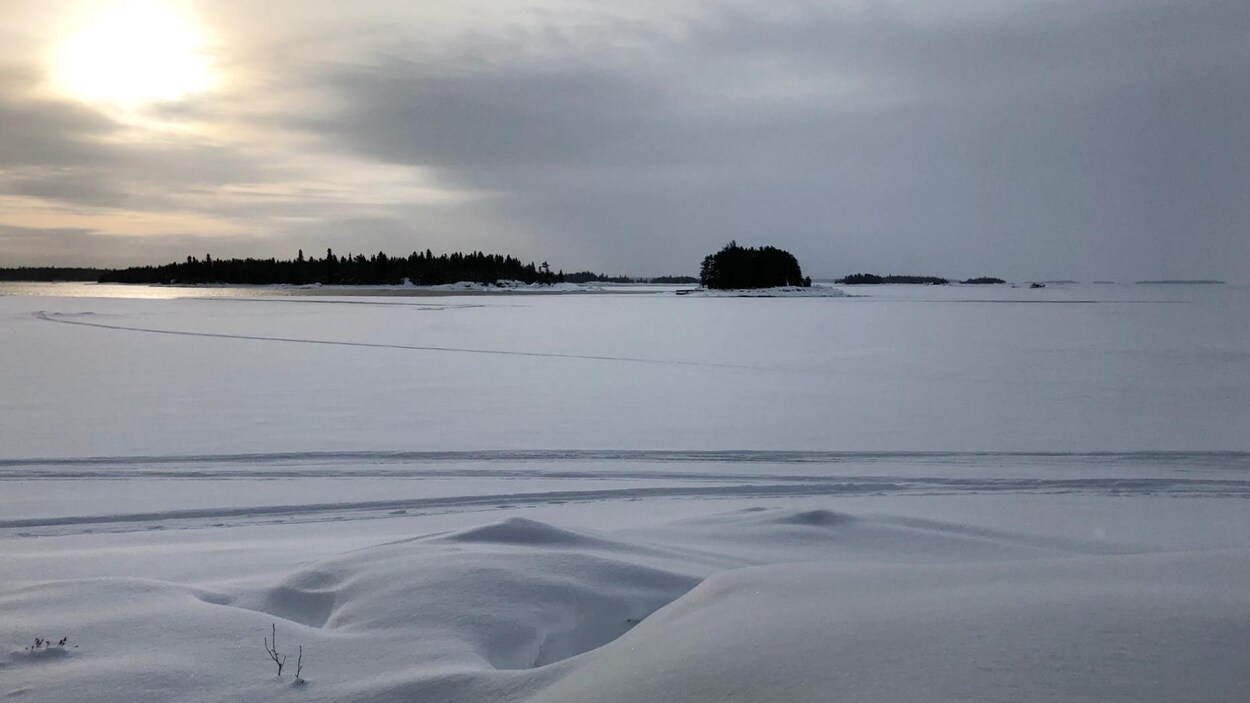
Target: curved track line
1223,459
843,487
55,317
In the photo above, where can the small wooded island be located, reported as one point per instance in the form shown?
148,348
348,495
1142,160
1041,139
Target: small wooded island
737,267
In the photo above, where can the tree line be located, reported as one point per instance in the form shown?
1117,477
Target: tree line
50,273
419,268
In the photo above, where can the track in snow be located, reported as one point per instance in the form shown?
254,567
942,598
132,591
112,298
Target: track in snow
495,479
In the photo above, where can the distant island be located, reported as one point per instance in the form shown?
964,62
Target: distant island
669,280
738,268
418,268
424,268
872,279
51,274
591,277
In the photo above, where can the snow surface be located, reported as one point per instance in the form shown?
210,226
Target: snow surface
914,368
919,495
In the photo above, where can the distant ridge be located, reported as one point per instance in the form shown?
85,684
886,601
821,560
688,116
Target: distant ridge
1196,282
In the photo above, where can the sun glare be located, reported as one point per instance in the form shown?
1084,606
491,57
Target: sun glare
135,52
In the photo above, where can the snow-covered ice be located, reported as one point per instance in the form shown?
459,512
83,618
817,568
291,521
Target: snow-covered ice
938,494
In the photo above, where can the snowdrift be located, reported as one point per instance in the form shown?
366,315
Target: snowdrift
878,608
1128,628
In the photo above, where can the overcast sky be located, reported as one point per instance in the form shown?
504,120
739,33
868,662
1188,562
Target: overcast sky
1032,139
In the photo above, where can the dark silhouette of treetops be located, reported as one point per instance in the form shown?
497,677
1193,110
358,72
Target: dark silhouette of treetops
418,268
872,279
737,267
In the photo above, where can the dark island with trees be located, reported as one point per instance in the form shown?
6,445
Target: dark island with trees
737,267
733,267
872,279
50,274
419,268
591,277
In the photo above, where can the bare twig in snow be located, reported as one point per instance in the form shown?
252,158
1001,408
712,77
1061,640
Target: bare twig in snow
278,659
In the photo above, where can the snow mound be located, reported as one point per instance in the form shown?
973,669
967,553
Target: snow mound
813,518
516,594
520,531
296,599
757,536
521,611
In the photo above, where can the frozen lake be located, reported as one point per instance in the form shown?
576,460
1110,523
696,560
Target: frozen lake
1082,368
955,493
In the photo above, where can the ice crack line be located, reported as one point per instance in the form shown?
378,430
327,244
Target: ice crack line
52,317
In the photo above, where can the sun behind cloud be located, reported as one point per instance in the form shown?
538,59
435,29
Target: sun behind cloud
133,53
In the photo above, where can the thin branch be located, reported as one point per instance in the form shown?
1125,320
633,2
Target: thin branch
278,659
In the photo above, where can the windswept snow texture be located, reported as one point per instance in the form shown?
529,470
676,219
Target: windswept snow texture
919,495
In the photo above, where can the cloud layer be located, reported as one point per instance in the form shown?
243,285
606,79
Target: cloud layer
1031,140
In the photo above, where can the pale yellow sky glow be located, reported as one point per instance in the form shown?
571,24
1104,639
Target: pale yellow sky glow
37,213
177,93
134,52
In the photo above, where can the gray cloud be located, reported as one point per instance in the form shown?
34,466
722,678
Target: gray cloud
1032,139
43,132
59,151
1066,139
